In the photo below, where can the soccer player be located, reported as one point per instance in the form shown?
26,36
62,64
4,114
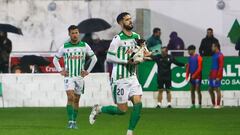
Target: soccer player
216,75
124,82
194,68
74,53
164,62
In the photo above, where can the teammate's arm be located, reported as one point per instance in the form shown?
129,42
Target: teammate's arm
199,69
112,52
220,67
56,63
187,71
174,61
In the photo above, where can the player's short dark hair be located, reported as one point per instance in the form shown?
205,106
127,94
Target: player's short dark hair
216,44
72,27
155,30
209,29
121,16
164,47
191,47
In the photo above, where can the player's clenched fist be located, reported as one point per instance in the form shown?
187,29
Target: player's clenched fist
64,73
84,73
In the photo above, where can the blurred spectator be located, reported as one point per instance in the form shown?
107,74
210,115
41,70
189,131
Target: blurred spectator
175,43
100,48
16,69
154,43
31,63
206,44
237,46
5,50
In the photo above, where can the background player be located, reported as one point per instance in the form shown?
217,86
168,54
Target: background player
164,62
124,82
194,68
74,53
216,75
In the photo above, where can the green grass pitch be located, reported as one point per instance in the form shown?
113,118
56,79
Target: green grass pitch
52,121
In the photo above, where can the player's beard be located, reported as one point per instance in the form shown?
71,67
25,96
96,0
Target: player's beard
74,40
128,27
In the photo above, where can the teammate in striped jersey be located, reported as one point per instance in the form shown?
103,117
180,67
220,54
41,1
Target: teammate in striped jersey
125,85
74,53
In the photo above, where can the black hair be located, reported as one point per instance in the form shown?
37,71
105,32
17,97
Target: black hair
140,41
72,27
191,47
216,44
164,47
121,16
209,29
155,30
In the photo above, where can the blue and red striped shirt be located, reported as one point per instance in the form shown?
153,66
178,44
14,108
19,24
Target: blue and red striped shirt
217,66
194,67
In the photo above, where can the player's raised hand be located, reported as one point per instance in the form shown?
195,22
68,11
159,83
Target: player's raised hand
64,73
84,73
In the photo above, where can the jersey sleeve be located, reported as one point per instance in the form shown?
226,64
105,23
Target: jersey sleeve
199,68
89,51
187,71
60,52
220,67
114,46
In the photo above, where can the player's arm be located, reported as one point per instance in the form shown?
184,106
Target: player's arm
220,69
56,63
90,53
187,71
199,69
112,52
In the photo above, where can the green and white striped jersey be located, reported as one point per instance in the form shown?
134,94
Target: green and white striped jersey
74,57
122,46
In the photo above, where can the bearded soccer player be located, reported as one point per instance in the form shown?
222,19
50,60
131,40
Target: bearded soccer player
216,75
124,82
74,53
194,68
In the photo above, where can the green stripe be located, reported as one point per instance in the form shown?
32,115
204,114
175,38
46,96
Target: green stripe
75,65
123,58
118,65
111,53
70,65
115,93
79,68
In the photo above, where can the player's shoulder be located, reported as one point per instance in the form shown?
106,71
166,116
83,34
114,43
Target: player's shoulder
136,35
123,36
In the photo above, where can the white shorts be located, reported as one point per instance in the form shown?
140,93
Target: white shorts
124,89
74,83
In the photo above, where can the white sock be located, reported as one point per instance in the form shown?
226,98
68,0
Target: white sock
129,132
159,103
169,103
99,110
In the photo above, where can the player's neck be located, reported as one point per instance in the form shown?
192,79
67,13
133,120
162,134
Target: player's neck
127,32
74,42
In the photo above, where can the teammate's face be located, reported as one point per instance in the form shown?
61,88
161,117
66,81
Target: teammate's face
157,34
74,35
214,48
164,51
127,22
191,52
209,33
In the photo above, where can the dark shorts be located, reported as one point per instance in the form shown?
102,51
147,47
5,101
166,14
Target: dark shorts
196,81
214,83
164,84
